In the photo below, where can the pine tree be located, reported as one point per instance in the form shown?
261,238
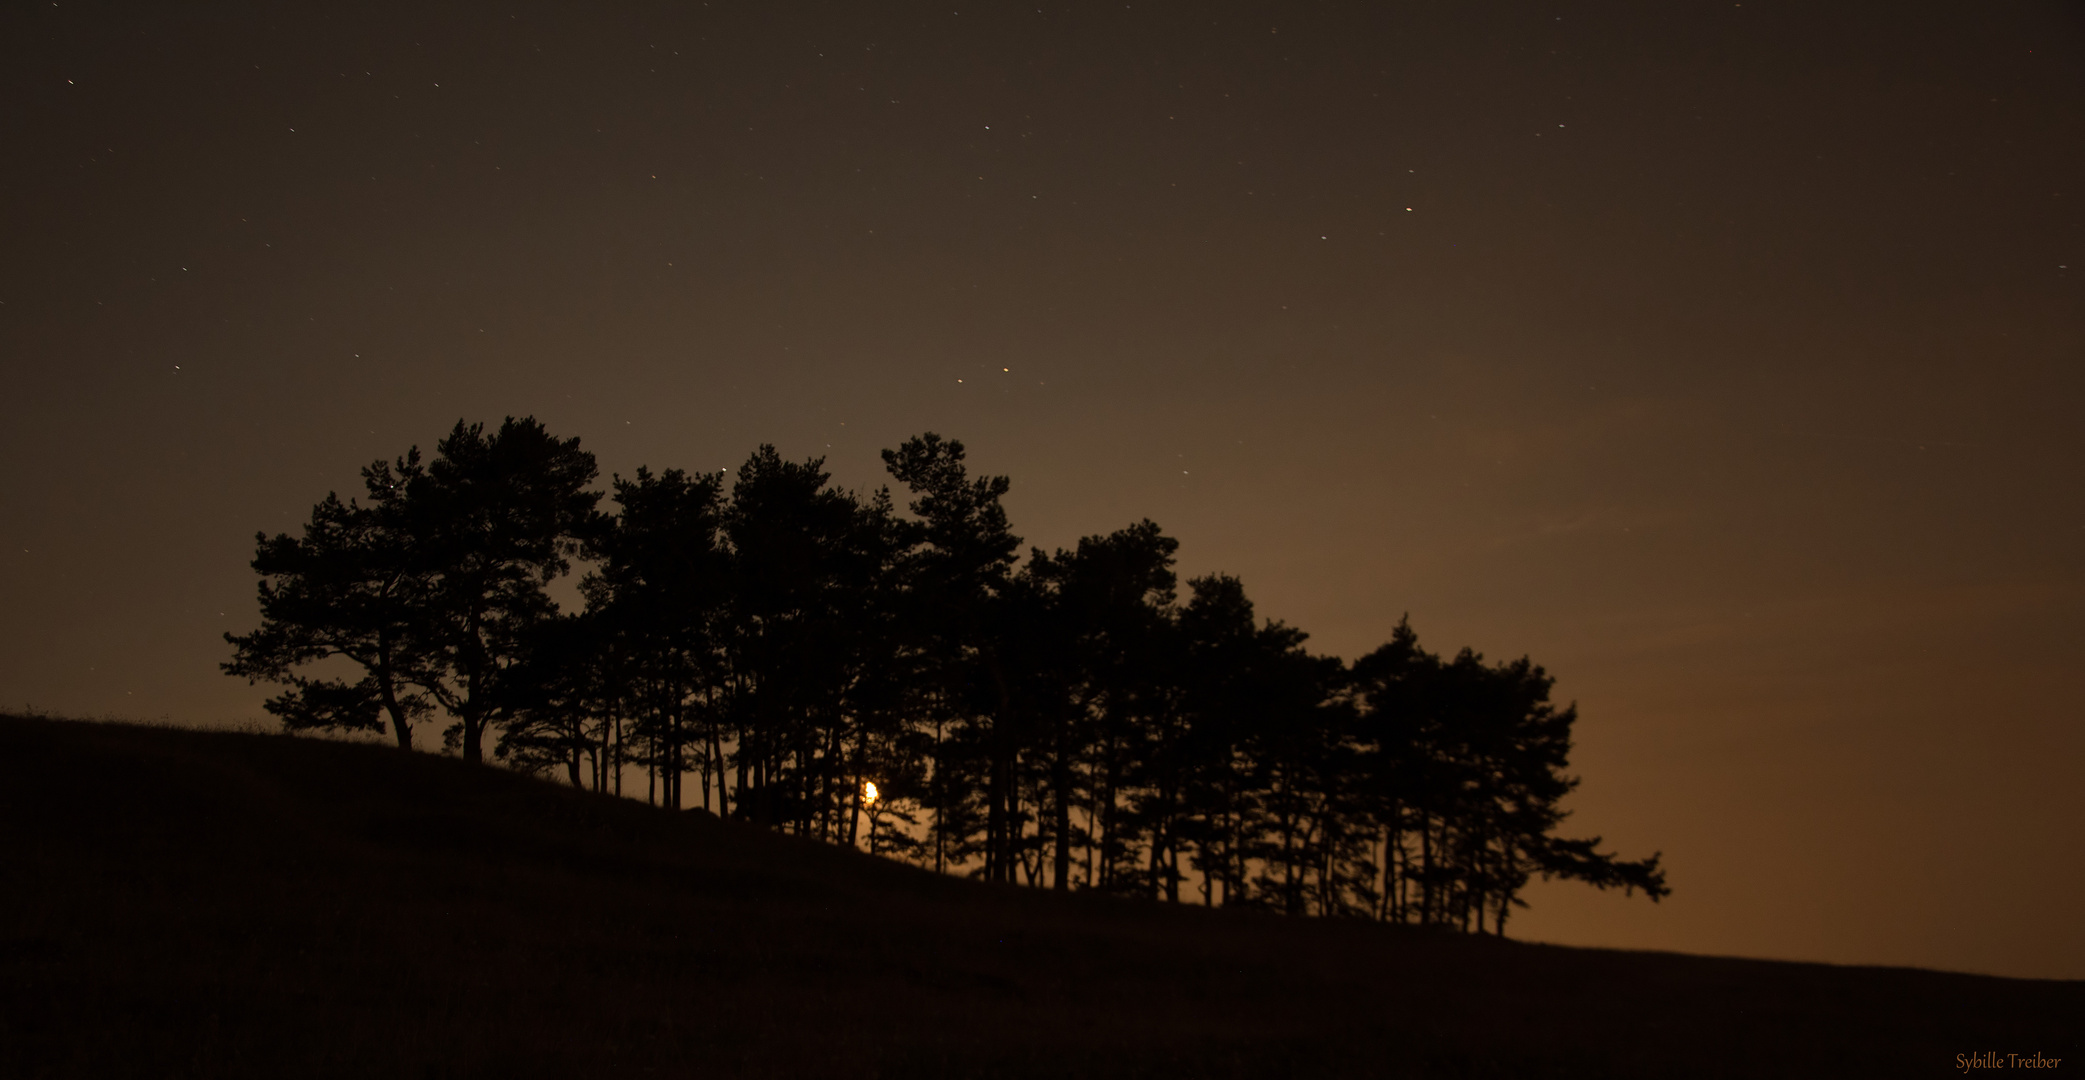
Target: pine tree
958,574
492,519
352,587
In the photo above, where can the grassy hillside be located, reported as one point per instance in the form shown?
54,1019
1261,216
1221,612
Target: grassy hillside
178,903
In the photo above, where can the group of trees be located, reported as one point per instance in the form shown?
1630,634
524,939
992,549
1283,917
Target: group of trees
819,662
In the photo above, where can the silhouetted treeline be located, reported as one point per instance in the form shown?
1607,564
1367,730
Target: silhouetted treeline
814,660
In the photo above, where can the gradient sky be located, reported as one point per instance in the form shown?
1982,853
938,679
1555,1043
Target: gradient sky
1725,358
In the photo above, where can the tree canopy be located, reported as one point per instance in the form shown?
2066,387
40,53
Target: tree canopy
821,663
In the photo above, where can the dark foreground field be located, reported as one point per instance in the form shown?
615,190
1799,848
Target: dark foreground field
177,903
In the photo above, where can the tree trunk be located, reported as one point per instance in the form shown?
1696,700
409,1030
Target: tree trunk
1506,876
1156,861
400,726
1060,779
940,783
473,720
1383,898
1425,871
854,814
999,803
673,753
994,815
716,751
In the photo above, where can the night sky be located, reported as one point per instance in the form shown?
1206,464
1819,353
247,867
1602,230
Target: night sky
1727,359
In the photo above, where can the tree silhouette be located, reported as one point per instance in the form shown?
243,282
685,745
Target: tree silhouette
827,666
350,587
432,588
1114,736
565,700
1464,766
659,592
806,562
642,656
493,519
958,575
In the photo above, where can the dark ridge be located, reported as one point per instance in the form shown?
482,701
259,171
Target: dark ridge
181,903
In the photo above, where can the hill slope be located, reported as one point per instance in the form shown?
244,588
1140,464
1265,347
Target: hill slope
177,903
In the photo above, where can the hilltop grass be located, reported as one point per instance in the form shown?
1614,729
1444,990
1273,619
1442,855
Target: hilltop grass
179,903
